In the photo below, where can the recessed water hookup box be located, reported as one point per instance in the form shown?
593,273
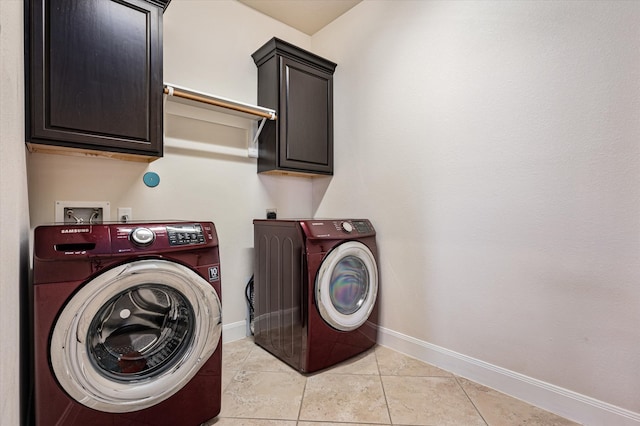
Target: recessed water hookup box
88,212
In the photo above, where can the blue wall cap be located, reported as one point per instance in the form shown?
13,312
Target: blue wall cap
151,179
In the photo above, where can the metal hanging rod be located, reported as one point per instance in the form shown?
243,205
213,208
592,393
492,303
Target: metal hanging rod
193,95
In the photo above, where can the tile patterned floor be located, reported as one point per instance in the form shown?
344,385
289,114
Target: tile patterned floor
380,387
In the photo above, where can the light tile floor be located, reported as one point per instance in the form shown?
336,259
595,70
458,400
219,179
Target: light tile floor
379,387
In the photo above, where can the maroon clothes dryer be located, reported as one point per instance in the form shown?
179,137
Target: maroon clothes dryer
127,324
315,290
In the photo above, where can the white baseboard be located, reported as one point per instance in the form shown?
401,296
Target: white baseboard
234,331
571,405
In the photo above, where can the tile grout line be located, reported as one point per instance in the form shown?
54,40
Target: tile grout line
470,400
304,391
386,401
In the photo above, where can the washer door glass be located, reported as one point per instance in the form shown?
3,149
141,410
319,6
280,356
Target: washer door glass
346,286
135,335
140,332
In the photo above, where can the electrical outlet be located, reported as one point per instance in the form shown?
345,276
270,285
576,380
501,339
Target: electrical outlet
125,214
87,212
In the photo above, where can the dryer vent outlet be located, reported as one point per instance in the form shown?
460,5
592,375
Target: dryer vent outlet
82,212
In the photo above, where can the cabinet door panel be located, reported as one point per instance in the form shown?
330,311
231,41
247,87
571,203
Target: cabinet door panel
98,62
307,124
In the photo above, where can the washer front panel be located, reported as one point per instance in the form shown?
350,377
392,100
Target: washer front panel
346,286
135,335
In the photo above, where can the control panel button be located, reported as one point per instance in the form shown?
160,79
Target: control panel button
142,236
347,227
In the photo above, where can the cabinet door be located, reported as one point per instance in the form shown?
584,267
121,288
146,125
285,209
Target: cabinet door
96,75
305,118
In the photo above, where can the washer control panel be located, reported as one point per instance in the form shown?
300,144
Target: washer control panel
180,235
160,237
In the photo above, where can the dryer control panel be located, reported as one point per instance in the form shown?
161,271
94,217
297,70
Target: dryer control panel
337,228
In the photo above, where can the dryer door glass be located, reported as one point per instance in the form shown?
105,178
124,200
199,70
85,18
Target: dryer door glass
346,286
349,284
135,335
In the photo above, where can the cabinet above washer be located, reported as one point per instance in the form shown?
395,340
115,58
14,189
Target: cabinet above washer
94,77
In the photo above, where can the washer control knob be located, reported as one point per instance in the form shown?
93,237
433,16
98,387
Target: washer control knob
142,236
347,227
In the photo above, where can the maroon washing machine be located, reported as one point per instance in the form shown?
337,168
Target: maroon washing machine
127,324
315,290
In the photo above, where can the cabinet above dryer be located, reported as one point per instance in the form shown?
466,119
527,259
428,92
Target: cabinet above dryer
94,77
299,86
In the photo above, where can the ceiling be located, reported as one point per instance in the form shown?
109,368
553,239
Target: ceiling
308,16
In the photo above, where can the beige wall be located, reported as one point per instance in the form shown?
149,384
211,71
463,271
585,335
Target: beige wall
14,220
494,145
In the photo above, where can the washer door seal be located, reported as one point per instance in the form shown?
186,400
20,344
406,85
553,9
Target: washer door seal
135,335
346,286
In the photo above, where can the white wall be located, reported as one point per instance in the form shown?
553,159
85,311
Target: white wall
207,47
495,146
14,222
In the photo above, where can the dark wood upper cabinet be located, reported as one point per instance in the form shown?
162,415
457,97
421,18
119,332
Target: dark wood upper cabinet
299,86
94,76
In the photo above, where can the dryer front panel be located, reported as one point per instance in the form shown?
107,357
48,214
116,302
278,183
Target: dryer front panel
346,286
135,335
